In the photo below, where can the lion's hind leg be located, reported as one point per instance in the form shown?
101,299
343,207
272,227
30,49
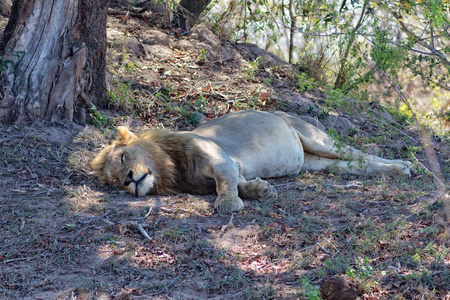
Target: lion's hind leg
257,189
367,165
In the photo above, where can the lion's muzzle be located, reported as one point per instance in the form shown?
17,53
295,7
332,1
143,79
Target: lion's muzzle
138,183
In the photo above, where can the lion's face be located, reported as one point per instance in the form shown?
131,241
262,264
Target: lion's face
130,168
128,164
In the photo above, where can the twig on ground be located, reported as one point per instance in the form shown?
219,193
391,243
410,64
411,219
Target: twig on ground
349,185
306,248
148,213
92,217
444,197
133,223
166,210
17,136
108,222
226,226
19,259
171,283
172,211
323,248
285,184
164,290
144,233
394,268
95,218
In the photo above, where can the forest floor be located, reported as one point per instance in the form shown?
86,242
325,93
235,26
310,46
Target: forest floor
65,236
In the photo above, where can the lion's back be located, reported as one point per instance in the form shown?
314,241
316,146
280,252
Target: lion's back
262,143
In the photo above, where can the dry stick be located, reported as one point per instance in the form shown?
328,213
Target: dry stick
140,226
444,196
224,227
166,289
171,283
18,136
92,218
171,211
107,222
144,233
148,213
19,259
323,248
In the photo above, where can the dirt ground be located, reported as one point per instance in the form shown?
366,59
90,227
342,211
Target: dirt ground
65,236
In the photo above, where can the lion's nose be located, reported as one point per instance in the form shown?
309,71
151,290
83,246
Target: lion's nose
129,179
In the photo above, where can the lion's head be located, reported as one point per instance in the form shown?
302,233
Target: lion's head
136,164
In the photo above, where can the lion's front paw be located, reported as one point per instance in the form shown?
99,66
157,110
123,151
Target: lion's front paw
228,203
269,194
257,189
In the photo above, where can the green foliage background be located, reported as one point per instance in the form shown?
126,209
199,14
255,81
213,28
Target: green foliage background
347,44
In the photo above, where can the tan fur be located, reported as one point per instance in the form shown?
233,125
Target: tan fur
228,155
175,156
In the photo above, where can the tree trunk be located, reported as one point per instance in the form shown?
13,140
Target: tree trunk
293,18
56,52
189,11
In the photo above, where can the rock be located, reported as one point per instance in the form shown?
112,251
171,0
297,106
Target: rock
159,51
202,38
299,102
118,41
340,124
340,287
156,37
397,145
203,34
251,51
133,46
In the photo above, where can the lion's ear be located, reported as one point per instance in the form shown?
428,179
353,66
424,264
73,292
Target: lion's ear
125,135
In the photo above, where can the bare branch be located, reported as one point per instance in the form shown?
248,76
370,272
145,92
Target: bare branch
421,41
144,233
226,226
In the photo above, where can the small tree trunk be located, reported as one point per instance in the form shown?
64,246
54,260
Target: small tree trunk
57,49
340,79
292,30
189,11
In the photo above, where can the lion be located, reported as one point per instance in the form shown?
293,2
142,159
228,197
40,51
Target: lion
230,155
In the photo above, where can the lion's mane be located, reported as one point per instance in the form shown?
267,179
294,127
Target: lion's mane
174,155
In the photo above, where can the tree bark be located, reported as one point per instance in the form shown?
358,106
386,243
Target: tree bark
57,49
189,11
293,18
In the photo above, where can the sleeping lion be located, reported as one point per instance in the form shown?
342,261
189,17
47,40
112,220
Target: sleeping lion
229,155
